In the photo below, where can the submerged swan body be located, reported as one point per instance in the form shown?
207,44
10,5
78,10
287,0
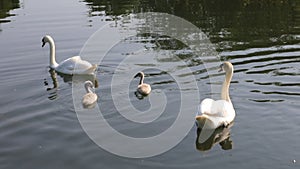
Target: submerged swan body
90,98
220,112
68,66
143,88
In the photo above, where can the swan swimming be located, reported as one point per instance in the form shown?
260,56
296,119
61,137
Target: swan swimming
143,88
90,98
220,112
68,66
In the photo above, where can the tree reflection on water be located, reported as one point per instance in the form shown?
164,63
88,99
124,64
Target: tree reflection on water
231,24
5,7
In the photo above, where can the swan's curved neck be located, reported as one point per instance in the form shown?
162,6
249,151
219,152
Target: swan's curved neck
142,79
225,86
88,89
53,63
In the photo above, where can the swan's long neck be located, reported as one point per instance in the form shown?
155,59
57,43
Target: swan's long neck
88,89
225,86
53,63
142,79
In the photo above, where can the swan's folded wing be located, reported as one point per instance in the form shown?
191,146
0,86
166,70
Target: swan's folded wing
84,66
205,106
70,67
68,64
221,108
218,108
89,98
76,64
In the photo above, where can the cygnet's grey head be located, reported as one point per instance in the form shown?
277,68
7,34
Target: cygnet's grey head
140,74
88,86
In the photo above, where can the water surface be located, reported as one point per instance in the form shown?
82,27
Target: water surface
39,127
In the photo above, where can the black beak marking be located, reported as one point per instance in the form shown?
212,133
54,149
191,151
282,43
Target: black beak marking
220,68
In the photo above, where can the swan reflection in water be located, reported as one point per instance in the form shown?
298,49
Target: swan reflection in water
207,138
139,96
53,91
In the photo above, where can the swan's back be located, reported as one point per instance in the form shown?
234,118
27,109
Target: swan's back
144,89
221,108
75,65
215,113
89,99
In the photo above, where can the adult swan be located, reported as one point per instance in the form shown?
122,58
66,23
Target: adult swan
220,112
68,66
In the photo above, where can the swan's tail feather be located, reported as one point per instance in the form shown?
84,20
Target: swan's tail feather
92,69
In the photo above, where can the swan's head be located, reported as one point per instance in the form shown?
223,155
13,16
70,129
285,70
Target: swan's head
226,66
46,39
88,86
140,74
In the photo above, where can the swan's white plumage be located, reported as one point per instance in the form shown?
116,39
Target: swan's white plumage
221,108
90,98
220,112
70,66
82,67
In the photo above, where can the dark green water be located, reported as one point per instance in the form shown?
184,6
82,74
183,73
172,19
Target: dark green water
39,127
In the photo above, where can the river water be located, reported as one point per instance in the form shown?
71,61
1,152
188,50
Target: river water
39,125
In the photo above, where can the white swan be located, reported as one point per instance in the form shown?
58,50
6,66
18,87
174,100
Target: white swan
143,88
221,112
68,66
90,98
